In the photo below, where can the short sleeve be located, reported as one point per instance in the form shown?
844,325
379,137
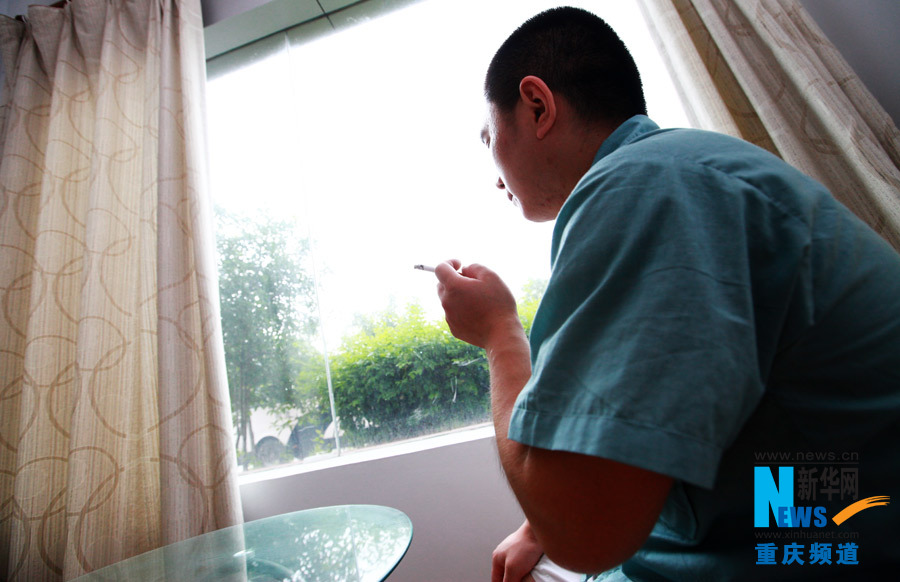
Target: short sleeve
644,346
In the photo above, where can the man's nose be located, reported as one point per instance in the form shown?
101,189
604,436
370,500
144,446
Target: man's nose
500,184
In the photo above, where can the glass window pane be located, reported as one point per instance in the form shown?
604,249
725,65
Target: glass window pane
340,162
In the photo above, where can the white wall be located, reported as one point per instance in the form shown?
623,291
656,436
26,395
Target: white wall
865,31
16,7
455,495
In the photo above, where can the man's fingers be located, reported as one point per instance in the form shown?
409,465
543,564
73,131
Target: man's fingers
452,267
474,271
447,269
497,569
455,264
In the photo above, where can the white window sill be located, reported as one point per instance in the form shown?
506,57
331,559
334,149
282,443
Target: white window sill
477,432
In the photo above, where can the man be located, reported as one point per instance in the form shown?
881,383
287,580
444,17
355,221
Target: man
708,304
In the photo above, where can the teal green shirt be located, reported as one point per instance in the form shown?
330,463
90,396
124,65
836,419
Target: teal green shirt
708,305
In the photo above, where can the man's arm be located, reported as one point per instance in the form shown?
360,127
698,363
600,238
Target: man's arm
588,513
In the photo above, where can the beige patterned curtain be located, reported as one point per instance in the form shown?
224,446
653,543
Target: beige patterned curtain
115,424
763,71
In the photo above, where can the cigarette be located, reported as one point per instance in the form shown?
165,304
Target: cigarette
424,268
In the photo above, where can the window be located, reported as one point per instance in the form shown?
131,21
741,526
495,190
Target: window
338,162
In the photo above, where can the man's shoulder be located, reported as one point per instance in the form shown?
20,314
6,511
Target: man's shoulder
673,164
695,149
683,164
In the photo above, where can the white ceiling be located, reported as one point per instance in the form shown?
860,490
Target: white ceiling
230,24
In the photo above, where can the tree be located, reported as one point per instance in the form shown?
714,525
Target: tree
527,304
400,376
268,314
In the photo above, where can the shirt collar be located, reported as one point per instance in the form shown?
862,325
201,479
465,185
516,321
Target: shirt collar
625,134
629,132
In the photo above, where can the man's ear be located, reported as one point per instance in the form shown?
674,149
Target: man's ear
540,102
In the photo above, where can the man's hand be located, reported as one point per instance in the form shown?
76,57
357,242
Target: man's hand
479,307
516,556
481,310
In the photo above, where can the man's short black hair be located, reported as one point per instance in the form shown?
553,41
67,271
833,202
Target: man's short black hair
579,56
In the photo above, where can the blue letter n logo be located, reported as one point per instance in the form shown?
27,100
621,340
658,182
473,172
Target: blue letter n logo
766,494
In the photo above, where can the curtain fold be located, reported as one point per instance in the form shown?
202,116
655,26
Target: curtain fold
115,436
762,70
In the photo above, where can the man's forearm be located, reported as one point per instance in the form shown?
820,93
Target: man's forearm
510,368
588,513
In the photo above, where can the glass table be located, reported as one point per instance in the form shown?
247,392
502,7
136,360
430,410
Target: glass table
346,543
